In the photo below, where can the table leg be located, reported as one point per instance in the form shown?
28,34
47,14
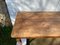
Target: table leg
19,42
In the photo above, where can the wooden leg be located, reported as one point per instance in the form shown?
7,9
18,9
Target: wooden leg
19,42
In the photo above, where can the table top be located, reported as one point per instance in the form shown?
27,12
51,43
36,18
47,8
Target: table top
36,25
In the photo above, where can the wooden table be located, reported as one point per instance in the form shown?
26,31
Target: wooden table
36,25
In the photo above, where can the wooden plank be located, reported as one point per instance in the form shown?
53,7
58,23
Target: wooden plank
36,24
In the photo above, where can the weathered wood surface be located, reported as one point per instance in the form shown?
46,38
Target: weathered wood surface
36,24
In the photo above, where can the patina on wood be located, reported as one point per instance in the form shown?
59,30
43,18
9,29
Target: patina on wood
36,24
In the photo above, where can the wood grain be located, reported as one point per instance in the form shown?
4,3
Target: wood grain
36,24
